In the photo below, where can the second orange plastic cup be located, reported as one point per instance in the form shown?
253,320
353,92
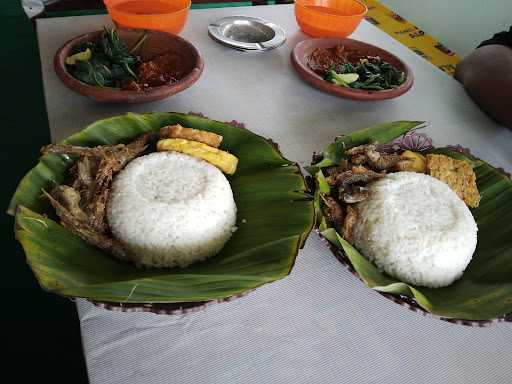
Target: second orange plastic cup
329,18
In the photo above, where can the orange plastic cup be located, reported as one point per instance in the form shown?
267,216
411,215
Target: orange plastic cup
329,18
161,15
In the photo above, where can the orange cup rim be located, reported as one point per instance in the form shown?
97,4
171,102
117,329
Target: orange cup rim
129,14
363,12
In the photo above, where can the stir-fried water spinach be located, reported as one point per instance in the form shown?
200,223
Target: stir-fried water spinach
370,73
349,68
106,62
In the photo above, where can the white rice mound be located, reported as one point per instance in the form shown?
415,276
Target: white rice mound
170,209
415,228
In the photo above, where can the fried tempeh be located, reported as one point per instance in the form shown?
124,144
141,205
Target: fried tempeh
458,174
179,132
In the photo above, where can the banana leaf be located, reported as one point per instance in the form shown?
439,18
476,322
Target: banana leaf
484,292
268,189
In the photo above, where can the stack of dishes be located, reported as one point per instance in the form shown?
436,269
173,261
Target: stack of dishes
246,33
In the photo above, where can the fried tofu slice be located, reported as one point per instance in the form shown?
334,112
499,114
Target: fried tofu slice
225,161
179,132
458,174
412,162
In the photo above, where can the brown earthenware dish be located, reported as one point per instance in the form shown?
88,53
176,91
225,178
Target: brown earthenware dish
302,51
155,44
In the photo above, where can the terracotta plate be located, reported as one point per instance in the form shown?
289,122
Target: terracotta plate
156,43
302,51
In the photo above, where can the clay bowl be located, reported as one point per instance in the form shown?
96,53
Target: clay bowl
302,51
156,43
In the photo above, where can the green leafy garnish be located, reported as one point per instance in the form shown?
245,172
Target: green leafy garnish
372,73
111,64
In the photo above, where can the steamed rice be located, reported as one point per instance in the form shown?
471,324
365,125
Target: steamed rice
169,209
416,229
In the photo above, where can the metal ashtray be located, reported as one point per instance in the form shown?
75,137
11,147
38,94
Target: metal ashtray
247,33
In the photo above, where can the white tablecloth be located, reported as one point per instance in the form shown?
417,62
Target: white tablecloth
319,325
